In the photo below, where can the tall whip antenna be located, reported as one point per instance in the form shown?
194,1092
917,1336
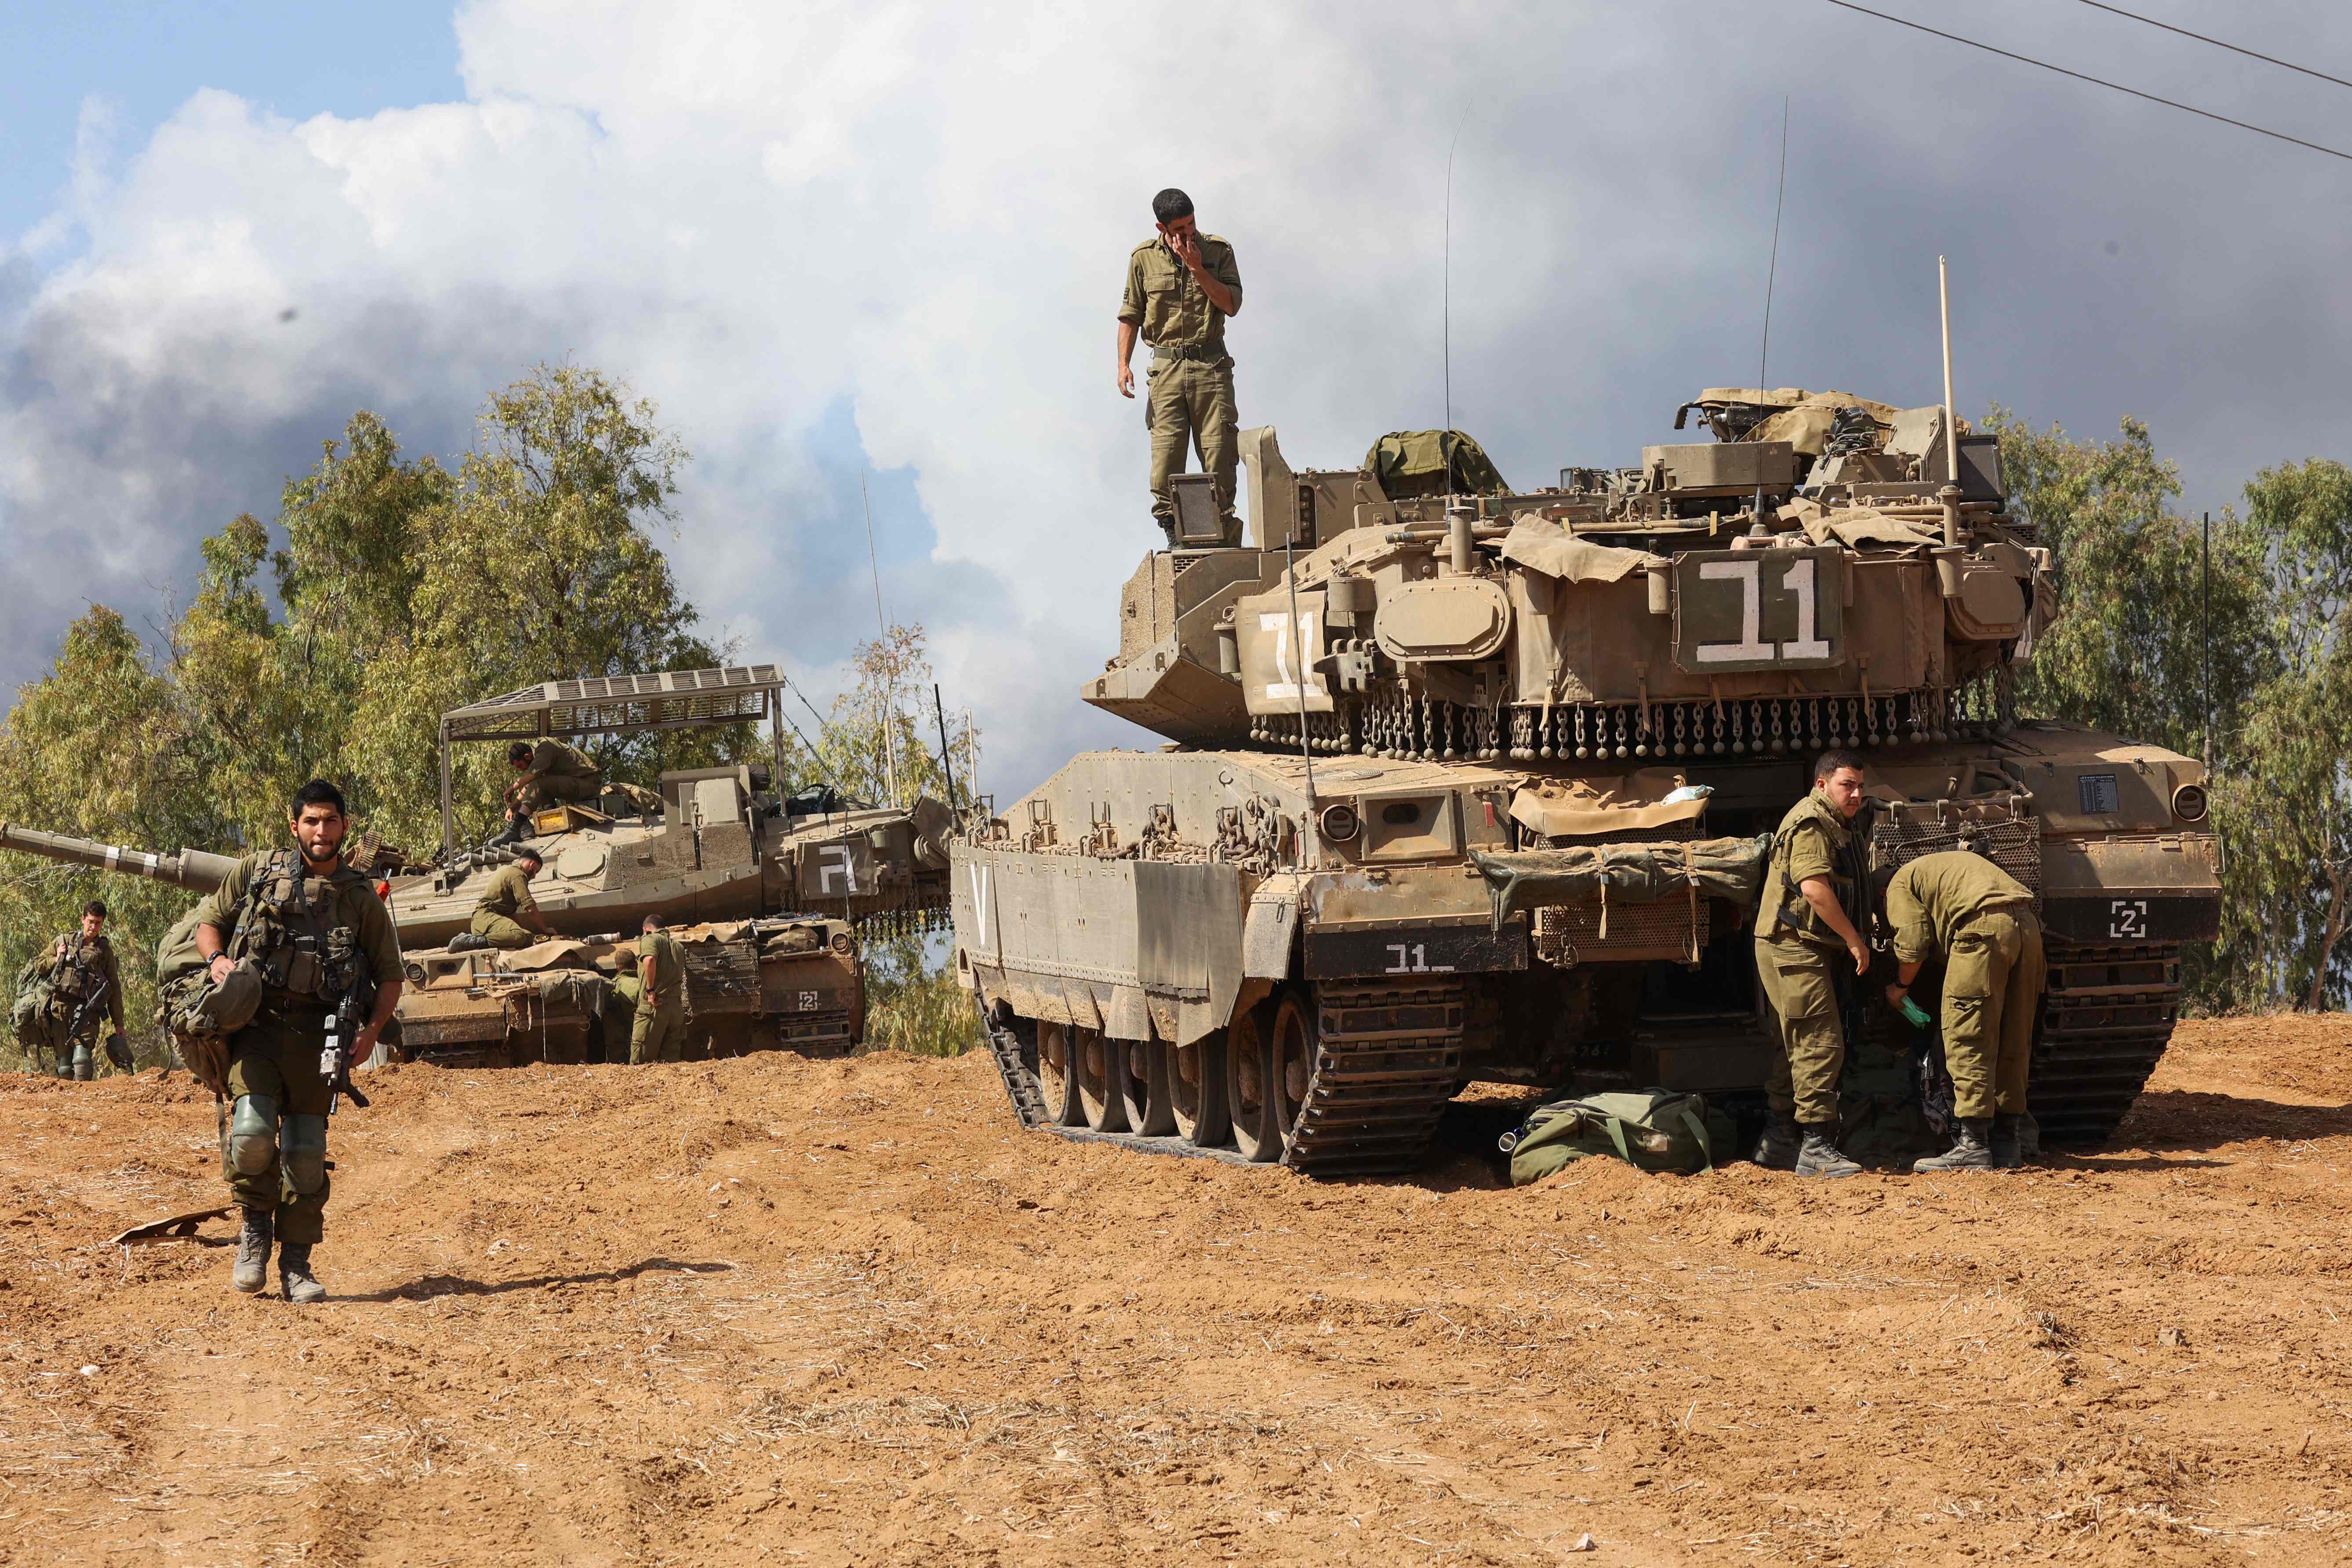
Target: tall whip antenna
1772,269
882,630
1445,430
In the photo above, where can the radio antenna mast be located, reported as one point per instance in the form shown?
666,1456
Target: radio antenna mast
1772,268
1445,334
882,630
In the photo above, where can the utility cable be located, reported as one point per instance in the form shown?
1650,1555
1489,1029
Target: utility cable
2234,49
2095,82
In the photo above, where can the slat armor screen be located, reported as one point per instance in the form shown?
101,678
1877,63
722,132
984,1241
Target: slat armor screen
621,704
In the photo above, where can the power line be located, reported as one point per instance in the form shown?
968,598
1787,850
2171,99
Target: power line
2095,82
2250,54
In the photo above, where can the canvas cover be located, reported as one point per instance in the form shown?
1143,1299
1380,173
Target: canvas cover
1640,801
1540,545
1650,1129
1410,463
1730,868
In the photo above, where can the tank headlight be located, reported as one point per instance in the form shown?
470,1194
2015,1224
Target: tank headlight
842,944
2188,803
1340,823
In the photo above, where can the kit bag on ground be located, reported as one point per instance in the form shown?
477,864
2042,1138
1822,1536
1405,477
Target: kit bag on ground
1653,1129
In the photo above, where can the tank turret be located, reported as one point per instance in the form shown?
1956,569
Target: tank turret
1468,786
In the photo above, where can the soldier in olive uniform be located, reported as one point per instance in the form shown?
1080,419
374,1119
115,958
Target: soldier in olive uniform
1180,286
506,915
309,928
549,773
660,1031
80,969
1982,918
1804,925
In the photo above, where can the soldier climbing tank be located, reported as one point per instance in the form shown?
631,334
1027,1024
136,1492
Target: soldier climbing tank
1462,782
768,895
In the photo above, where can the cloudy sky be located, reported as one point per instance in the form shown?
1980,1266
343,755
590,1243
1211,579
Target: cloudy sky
835,240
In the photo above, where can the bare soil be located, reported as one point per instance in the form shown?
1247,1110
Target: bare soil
775,1311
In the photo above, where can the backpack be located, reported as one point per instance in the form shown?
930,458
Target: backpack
28,1015
1651,1129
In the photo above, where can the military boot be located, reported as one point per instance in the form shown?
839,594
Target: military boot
1818,1155
302,1286
1777,1150
2007,1141
1969,1151
252,1269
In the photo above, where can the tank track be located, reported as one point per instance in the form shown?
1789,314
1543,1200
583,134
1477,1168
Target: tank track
1387,1060
2105,1018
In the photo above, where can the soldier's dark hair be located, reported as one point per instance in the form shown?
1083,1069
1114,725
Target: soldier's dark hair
656,923
94,907
530,853
1170,204
518,752
319,793
1833,761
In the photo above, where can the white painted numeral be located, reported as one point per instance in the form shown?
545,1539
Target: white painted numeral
836,863
1412,958
2128,918
1284,687
808,1001
1808,644
1749,575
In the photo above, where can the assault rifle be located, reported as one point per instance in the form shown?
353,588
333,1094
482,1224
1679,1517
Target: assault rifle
335,1059
89,1004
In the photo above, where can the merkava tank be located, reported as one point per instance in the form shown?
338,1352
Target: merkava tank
768,896
1470,787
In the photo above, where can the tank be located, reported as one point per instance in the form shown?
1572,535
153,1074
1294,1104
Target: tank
1460,788
769,896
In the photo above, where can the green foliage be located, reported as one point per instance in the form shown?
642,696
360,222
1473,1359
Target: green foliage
881,743
912,1000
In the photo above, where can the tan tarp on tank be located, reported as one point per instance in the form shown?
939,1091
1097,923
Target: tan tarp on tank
1561,808
1542,545
1806,426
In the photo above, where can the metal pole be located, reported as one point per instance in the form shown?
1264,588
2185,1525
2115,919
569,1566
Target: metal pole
1951,429
946,756
1290,575
882,631
2205,618
448,811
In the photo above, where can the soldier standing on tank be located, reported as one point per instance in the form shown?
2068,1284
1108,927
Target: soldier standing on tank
550,772
506,916
306,924
659,1032
77,966
1982,919
1805,925
1180,286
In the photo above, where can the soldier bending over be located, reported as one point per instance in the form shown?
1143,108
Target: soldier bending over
550,772
506,916
309,929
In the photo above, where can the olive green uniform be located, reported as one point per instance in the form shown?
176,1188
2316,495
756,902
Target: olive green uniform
504,896
1794,954
86,964
1982,919
274,1130
559,772
1189,388
660,1031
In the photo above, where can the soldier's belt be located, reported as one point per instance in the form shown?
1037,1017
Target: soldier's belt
1207,353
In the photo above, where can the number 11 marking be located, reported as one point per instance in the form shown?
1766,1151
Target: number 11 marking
1809,644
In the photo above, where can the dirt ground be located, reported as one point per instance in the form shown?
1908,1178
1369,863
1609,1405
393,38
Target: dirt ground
773,1311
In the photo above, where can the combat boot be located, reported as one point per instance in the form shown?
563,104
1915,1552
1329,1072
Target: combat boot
302,1287
1777,1150
1818,1155
252,1269
2007,1141
1969,1151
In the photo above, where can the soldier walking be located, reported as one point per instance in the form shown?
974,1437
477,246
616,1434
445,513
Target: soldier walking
659,1032
1180,286
506,916
309,929
1805,925
549,773
85,990
1982,920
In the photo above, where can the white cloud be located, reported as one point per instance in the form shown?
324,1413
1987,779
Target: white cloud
812,231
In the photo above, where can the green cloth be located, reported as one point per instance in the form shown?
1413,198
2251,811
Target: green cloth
1190,404
1812,840
278,1055
1932,898
1168,304
503,933
1993,975
1809,1039
658,1033
355,905
87,961
507,893
1412,463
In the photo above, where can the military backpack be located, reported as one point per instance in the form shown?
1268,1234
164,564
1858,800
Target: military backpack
1652,1129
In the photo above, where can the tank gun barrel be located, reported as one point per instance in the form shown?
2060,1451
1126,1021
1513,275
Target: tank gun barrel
194,870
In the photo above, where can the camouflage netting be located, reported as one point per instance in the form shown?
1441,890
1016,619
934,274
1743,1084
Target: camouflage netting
1625,874
1413,462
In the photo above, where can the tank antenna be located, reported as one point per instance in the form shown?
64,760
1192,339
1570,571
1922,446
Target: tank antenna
1298,630
1951,430
1772,274
1445,332
882,631
946,756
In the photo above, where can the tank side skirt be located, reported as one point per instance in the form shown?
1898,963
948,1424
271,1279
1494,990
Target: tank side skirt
2106,1017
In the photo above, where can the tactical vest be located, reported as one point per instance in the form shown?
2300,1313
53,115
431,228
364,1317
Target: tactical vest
1783,910
78,972
297,926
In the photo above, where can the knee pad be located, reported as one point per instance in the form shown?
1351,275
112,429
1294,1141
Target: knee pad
85,1064
253,1134
306,1154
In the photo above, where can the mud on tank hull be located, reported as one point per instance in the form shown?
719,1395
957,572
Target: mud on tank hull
1159,961
765,985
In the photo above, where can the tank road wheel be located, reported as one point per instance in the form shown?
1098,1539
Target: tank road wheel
1101,1075
1249,1097
1146,1100
1291,1048
1056,1083
1196,1089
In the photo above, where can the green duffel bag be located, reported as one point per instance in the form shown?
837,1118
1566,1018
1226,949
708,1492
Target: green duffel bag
1652,1129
